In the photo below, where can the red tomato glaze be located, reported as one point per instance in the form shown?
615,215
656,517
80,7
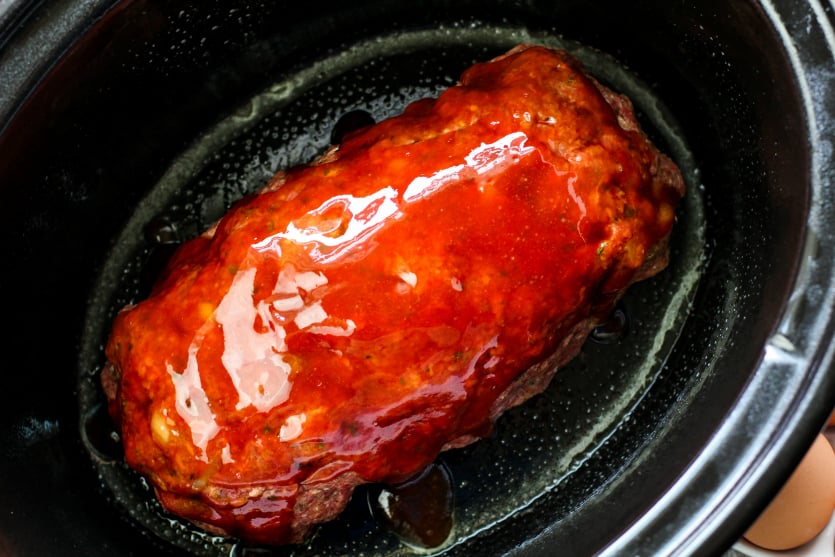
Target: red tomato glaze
364,312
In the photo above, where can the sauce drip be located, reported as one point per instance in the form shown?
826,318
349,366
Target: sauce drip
419,511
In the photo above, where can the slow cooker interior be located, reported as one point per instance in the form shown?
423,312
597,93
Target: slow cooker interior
105,121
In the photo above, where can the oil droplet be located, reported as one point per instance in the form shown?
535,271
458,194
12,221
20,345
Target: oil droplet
99,435
419,511
350,122
162,230
241,549
614,328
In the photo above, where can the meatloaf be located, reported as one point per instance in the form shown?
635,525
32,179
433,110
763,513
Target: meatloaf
390,300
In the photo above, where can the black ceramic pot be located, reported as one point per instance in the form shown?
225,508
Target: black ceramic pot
128,126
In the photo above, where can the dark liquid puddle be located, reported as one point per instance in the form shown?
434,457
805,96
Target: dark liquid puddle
615,328
418,511
100,436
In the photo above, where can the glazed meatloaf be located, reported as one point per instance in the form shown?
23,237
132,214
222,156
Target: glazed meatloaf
389,301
